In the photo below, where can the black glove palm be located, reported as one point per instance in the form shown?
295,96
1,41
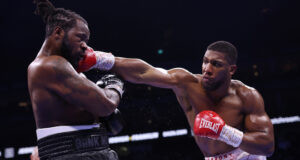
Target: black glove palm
113,82
114,123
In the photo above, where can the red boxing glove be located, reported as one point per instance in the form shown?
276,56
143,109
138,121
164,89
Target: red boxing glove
96,59
88,61
210,124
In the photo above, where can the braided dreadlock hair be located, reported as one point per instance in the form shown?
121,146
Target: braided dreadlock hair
56,17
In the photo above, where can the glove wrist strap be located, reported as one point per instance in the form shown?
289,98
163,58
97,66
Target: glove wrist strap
117,88
105,61
231,136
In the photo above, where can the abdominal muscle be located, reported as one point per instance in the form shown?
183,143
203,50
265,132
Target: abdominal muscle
62,114
211,147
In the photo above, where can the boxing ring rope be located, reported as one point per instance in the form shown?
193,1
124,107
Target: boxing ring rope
145,136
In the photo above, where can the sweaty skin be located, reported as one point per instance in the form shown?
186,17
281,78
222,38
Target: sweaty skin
239,106
59,95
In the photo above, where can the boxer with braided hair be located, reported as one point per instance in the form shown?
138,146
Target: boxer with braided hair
53,17
65,103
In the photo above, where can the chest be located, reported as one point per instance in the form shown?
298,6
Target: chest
230,107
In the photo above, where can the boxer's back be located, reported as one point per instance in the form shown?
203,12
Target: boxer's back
193,100
49,108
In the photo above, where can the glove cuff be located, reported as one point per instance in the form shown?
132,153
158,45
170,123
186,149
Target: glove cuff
105,61
117,88
231,136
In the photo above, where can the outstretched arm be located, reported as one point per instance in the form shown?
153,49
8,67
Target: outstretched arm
135,70
138,71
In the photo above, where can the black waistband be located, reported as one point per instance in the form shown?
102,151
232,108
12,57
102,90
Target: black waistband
72,142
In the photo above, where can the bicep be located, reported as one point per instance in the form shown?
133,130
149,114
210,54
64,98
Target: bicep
258,123
73,88
256,119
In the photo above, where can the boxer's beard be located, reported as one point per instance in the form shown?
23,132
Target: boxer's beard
66,51
212,86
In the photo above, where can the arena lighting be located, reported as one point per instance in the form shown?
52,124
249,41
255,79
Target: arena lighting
118,139
282,120
22,104
26,150
9,152
152,135
144,136
173,133
160,51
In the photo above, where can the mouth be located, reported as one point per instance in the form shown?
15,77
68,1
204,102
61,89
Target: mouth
82,56
207,78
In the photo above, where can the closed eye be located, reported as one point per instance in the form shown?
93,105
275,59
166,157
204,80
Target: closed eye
205,61
217,63
83,37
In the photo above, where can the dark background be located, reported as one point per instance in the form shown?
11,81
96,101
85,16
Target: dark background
266,33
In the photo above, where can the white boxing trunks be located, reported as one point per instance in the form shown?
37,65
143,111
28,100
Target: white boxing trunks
44,132
236,154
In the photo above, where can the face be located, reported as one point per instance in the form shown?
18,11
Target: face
75,43
215,70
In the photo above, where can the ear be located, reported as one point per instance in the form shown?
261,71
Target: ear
58,33
232,69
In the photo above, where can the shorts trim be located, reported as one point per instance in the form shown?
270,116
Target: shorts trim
44,132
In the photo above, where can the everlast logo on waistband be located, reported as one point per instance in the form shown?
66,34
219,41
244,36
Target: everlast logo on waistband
207,124
87,142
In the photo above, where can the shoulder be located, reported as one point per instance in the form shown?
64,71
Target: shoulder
49,62
244,91
251,98
46,66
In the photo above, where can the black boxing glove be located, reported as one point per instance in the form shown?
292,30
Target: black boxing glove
113,123
111,81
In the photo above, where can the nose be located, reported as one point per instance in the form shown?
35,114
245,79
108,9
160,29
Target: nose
84,46
207,68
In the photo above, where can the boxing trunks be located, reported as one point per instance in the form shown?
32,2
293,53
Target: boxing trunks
236,154
74,143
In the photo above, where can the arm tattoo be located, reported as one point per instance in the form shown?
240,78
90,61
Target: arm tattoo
63,74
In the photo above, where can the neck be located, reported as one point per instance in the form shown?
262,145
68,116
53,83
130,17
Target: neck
49,48
220,92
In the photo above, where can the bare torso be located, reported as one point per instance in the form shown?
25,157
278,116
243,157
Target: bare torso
240,106
193,100
49,108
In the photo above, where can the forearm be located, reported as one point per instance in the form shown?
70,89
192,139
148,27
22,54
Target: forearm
259,143
113,89
138,71
98,101
75,88
256,142
110,102
131,69
114,98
